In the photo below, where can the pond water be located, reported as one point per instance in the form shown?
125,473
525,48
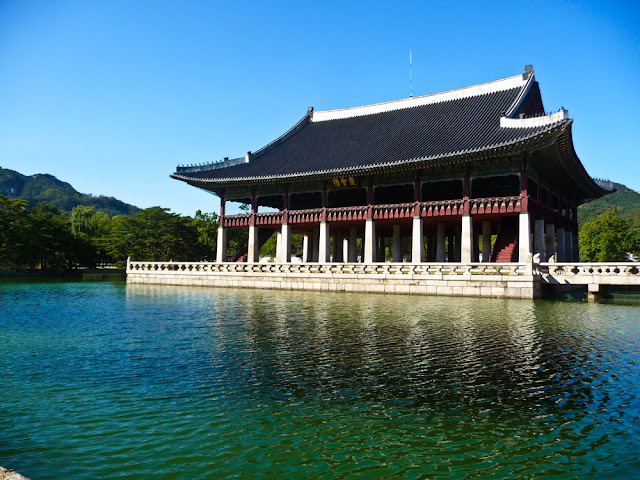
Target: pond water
101,380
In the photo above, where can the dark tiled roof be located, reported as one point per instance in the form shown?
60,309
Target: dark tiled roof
416,134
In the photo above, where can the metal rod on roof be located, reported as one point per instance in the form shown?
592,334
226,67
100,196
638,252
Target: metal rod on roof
410,75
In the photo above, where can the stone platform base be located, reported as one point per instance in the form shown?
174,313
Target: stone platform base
497,286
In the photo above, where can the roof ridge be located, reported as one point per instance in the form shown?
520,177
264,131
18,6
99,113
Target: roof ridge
521,80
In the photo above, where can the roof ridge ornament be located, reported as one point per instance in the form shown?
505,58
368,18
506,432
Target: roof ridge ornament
528,71
508,83
535,121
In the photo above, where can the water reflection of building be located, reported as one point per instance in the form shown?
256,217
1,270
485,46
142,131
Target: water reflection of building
445,171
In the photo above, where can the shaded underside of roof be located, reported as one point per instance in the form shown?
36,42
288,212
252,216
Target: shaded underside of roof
423,132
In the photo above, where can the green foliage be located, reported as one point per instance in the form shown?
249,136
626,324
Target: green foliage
607,238
206,224
155,234
624,200
47,188
46,238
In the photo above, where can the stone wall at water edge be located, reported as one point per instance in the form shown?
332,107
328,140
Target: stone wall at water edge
504,281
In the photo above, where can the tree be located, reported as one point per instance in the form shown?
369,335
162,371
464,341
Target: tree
206,224
607,238
13,230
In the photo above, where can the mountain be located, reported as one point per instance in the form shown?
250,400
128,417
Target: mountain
625,200
43,187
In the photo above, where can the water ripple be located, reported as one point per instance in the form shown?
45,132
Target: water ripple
103,380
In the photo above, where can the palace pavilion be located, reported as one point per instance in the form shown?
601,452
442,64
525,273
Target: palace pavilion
479,173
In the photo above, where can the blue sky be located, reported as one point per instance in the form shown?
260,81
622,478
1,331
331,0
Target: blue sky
111,96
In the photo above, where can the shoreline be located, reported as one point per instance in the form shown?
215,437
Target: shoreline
78,273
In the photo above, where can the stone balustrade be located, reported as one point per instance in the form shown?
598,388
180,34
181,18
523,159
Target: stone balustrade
620,273
386,269
506,280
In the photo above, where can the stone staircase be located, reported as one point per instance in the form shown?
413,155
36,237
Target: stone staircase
263,236
505,250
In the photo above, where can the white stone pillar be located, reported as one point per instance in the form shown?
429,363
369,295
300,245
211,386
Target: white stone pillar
440,243
306,250
466,247
352,256
560,245
416,241
486,241
278,247
550,242
316,242
285,244
568,245
221,246
369,241
538,239
397,244
345,248
524,237
252,250
323,244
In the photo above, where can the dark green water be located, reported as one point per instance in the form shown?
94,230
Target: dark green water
101,380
